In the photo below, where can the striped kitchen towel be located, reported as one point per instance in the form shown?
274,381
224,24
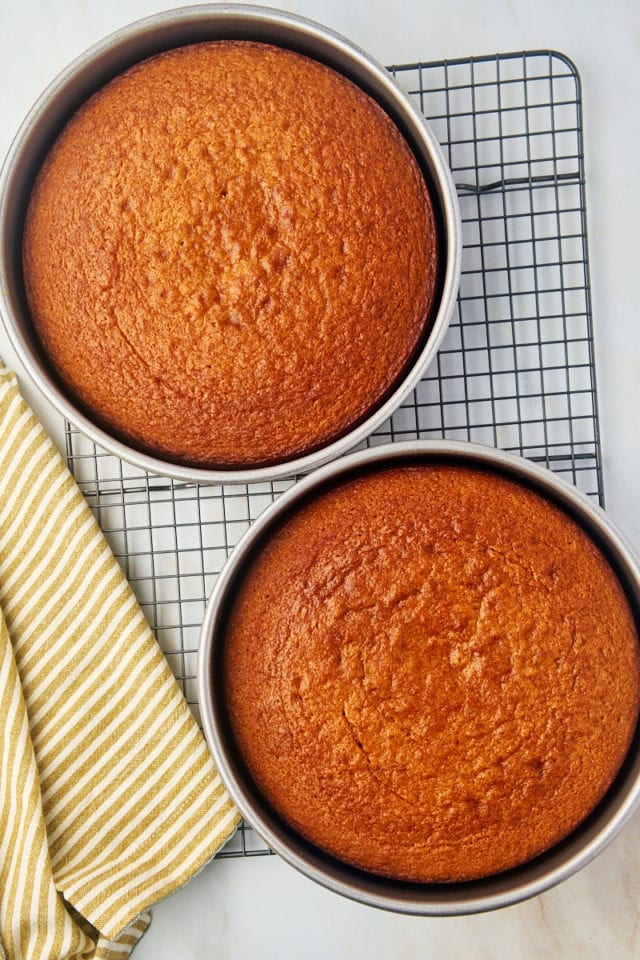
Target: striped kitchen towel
109,799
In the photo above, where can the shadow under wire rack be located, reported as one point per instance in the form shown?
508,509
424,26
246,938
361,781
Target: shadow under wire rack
516,368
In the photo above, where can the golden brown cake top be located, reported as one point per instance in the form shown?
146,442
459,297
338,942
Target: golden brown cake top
432,672
230,254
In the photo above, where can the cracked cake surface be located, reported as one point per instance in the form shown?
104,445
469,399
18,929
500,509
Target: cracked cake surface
431,672
230,255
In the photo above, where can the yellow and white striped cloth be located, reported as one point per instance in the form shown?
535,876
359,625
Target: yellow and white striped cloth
109,799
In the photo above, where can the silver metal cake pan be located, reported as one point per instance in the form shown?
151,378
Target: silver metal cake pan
501,890
115,54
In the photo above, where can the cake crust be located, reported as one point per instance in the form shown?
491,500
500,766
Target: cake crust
432,673
230,255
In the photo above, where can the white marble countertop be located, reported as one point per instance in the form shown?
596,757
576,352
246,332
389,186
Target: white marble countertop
247,908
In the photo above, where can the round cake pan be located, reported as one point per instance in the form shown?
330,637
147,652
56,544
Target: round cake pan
144,39
491,893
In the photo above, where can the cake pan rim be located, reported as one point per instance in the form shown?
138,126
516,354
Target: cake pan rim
206,16
527,881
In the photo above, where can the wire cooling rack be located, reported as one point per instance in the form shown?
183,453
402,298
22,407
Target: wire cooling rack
515,370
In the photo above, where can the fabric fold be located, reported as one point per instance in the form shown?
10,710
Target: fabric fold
109,799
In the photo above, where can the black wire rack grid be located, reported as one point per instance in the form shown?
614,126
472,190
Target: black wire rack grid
516,369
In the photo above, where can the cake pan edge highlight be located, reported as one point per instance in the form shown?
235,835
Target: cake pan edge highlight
491,893
111,56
